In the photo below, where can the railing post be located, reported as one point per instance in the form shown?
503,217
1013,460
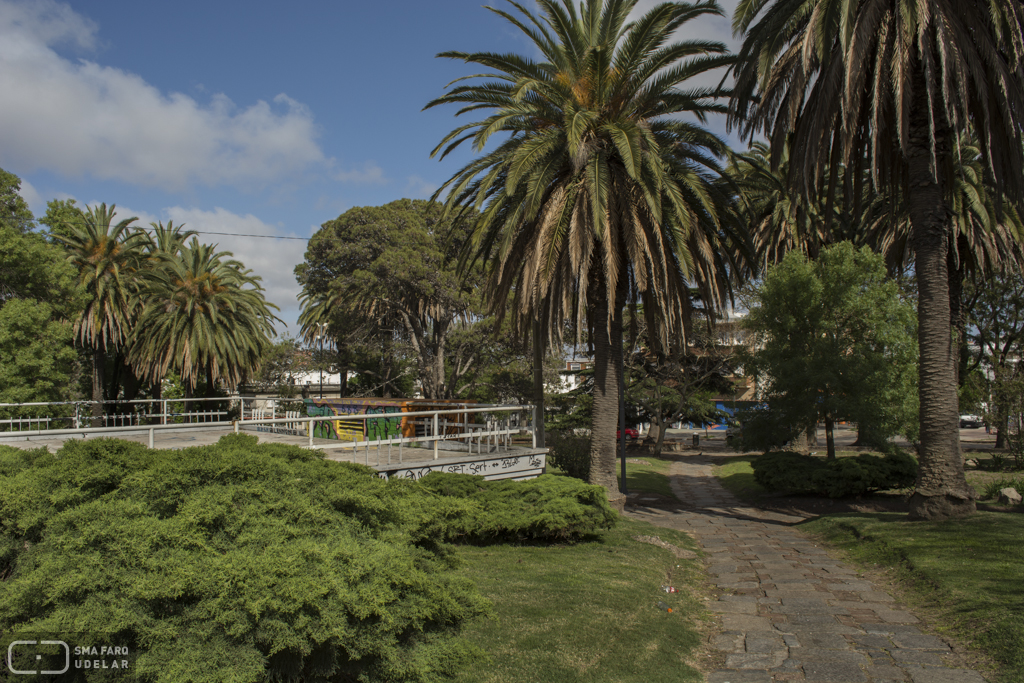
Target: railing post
150,437
311,433
533,427
435,436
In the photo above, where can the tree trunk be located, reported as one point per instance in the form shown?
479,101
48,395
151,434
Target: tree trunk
99,366
941,491
538,382
660,444
607,365
830,439
655,433
1002,425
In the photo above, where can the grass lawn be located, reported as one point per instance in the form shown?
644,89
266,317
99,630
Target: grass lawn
651,477
588,612
737,476
969,572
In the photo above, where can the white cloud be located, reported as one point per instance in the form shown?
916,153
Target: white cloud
418,188
82,118
369,174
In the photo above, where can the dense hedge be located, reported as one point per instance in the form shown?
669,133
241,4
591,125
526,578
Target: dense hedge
793,473
569,453
245,562
547,508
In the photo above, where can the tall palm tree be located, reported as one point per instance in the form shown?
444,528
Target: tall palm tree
601,191
205,315
107,256
887,85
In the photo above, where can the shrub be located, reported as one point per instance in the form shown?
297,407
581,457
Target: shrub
993,488
547,508
569,453
793,473
237,561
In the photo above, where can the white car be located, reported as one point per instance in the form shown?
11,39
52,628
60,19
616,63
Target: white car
971,421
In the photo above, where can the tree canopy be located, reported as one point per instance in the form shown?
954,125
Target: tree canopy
833,341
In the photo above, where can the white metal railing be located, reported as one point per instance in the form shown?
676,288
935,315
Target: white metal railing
115,414
86,431
493,434
432,427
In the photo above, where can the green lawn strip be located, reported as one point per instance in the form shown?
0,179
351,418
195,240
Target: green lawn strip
586,612
737,477
970,572
651,477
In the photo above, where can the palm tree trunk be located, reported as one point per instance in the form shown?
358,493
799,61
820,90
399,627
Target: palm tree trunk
99,366
607,368
941,491
538,382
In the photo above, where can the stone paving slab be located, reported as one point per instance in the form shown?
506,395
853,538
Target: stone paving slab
788,611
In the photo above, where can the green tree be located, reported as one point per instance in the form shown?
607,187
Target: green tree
14,211
389,268
204,317
601,191
107,256
834,340
63,218
39,299
996,333
888,85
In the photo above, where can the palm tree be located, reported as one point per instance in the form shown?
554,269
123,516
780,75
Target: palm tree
204,315
602,191
887,85
780,219
107,256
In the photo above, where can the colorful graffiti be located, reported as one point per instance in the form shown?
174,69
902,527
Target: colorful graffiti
375,429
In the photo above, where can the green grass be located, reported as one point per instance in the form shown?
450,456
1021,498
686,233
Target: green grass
586,613
737,476
652,478
969,572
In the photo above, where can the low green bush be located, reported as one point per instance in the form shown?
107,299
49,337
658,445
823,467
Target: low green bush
993,488
569,453
547,508
794,473
238,561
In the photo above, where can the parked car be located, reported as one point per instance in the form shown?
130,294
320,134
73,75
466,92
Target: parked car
630,434
971,421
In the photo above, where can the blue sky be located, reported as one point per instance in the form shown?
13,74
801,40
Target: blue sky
257,118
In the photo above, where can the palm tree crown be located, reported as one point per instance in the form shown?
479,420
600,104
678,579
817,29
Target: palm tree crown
602,188
204,313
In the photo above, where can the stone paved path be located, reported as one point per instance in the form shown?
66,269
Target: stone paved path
788,611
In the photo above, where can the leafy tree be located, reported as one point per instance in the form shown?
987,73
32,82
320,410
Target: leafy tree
63,219
389,268
204,316
39,299
14,211
834,341
679,385
888,86
996,332
602,190
281,362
